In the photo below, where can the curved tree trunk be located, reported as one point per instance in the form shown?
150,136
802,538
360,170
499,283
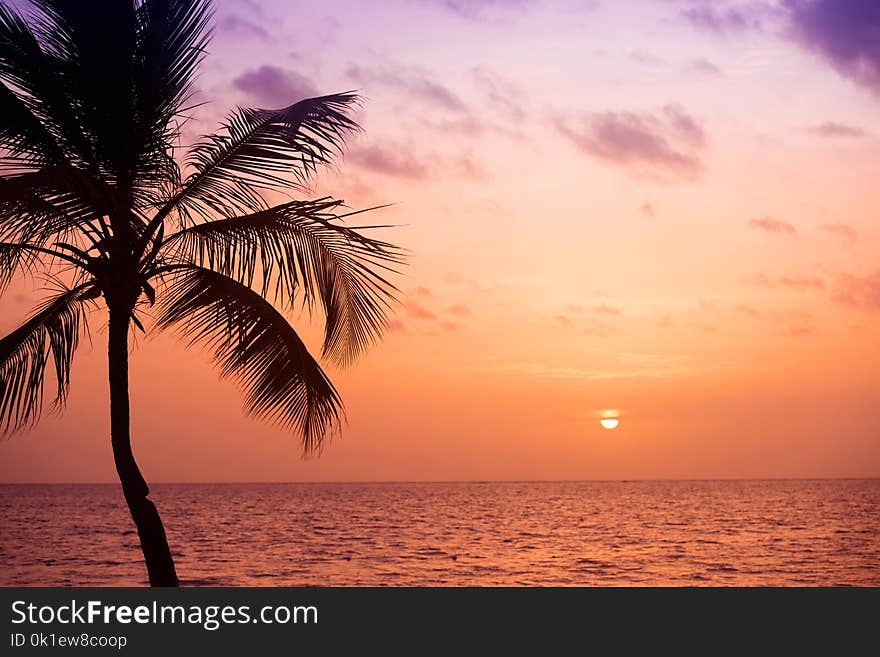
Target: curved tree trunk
160,565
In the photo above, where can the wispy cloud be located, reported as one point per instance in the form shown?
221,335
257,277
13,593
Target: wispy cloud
417,311
703,66
475,10
274,87
837,130
771,225
843,32
787,323
646,58
396,326
605,309
861,292
503,94
663,144
460,309
718,19
623,366
397,161
845,231
468,166
240,27
413,83
793,282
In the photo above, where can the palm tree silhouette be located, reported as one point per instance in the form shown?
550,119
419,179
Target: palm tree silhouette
93,96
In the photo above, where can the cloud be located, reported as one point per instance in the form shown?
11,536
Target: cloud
647,209
842,32
748,310
273,87
399,161
241,27
703,66
605,309
413,83
396,161
563,321
396,326
467,166
501,93
622,367
835,130
665,143
598,330
686,127
478,9
724,20
845,231
798,329
862,292
455,279
846,33
646,58
787,323
416,310
801,282
429,320
771,225
793,282
461,310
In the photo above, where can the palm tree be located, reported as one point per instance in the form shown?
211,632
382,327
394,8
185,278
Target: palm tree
93,96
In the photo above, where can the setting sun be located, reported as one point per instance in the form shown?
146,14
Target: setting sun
609,422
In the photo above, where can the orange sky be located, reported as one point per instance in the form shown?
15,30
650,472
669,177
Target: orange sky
628,206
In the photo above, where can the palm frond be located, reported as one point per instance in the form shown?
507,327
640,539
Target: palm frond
262,149
23,137
43,83
253,344
15,258
172,36
297,248
52,332
117,124
171,40
49,202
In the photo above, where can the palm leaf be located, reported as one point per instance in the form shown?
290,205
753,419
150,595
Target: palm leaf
171,40
53,331
262,149
43,81
52,201
15,257
297,248
28,143
253,344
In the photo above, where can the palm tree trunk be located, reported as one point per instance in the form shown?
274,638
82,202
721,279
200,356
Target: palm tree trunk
157,555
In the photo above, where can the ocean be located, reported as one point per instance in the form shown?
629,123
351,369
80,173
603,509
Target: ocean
660,533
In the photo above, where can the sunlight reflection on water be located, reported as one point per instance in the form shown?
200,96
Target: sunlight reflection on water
811,532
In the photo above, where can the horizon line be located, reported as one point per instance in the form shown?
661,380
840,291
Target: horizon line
443,481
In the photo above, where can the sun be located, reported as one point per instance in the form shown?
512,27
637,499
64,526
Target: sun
609,418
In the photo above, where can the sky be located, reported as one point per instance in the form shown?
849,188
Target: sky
668,209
